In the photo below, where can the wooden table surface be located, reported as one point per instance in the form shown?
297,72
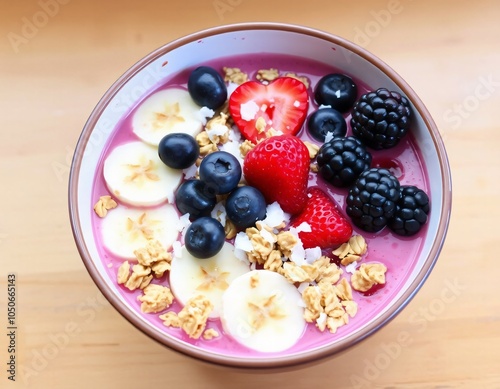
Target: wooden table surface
59,57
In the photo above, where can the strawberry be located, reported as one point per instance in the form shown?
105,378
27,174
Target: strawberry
279,168
281,105
329,228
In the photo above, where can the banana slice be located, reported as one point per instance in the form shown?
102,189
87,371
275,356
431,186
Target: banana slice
167,111
135,174
126,229
262,311
210,276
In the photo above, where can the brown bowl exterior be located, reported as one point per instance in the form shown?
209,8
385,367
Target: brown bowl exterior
305,358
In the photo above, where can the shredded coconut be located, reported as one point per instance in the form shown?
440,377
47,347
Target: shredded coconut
203,114
321,321
329,136
303,227
216,130
298,254
234,136
219,213
303,286
233,148
241,255
183,222
351,268
313,254
275,216
269,237
177,249
242,242
248,110
190,172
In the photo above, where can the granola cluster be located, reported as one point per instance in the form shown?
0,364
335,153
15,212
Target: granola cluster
321,270
192,319
210,333
326,294
152,261
267,74
368,275
156,298
312,148
216,132
263,240
328,305
304,79
103,205
352,250
245,147
234,75
273,249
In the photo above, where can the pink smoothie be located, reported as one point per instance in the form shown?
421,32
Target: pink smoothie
399,254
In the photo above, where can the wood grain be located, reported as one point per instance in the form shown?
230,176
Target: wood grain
51,80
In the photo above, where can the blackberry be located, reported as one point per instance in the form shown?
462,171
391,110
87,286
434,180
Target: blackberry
411,213
342,160
381,118
371,201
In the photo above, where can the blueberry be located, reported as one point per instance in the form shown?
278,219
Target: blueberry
193,197
205,237
337,90
244,206
178,150
221,171
207,87
326,120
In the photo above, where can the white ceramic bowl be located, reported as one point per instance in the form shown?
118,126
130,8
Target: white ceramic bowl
233,40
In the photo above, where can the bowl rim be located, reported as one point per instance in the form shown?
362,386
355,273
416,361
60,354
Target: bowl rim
306,357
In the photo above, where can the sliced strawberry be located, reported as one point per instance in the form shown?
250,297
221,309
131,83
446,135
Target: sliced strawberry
329,228
281,105
279,168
